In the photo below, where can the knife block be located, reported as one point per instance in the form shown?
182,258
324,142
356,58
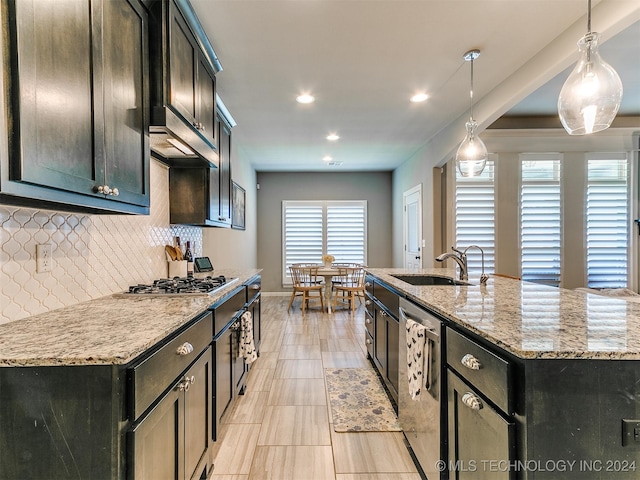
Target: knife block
177,268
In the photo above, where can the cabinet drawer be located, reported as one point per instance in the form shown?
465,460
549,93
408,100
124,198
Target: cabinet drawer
389,299
158,371
368,322
486,371
225,312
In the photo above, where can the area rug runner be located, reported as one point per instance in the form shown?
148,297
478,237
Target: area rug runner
359,402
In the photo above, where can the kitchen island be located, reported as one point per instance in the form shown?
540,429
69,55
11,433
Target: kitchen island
121,386
537,382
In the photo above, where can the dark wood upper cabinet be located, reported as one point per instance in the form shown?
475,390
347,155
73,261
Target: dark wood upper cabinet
183,84
202,195
76,104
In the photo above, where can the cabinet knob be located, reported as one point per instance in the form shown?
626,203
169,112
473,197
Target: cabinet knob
368,341
367,302
185,349
472,401
367,321
186,383
367,284
106,190
471,362
255,286
383,313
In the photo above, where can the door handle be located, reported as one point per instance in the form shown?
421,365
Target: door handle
418,257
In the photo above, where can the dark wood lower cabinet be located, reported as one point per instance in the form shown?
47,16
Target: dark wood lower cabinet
172,441
481,440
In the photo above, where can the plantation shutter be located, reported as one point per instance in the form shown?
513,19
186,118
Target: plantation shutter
475,216
303,231
346,232
607,221
314,228
540,218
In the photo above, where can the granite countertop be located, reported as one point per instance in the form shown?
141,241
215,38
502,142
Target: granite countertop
106,331
531,320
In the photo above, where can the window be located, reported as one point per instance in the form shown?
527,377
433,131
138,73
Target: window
607,220
314,228
475,214
540,218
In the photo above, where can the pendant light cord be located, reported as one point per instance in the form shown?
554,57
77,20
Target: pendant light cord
588,16
471,94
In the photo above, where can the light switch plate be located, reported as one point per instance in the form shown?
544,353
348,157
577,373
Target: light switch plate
43,257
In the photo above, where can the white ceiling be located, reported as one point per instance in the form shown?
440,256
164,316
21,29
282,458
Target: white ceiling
363,59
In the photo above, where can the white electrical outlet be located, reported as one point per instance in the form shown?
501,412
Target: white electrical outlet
43,257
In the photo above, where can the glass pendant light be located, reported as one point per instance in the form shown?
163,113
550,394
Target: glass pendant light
471,156
591,96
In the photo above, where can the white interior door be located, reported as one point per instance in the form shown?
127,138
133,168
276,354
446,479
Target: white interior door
412,220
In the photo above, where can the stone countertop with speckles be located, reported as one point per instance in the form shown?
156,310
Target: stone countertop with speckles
530,320
110,330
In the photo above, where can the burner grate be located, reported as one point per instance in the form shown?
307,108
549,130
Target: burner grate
181,286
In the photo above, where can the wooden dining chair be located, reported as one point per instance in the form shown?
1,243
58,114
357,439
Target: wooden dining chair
348,285
306,283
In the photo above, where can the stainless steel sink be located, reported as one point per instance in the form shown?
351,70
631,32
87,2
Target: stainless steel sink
428,280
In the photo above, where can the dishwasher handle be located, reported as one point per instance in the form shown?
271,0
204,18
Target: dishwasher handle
432,340
430,333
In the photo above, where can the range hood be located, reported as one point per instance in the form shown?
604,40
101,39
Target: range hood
175,143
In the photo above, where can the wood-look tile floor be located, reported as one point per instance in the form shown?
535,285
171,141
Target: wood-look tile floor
281,428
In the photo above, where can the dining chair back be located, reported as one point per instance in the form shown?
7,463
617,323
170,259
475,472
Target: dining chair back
307,284
348,285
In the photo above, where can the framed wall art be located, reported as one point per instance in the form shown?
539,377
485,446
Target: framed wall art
238,197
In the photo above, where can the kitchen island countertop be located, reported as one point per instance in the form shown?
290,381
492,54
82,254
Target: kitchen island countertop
107,330
530,320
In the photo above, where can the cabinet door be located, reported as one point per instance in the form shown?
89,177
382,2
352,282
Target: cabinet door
481,440
197,415
237,361
225,173
223,393
183,55
220,180
126,94
157,441
52,142
380,340
206,101
255,310
393,338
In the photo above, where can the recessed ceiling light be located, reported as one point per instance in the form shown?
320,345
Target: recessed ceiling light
332,137
327,158
419,97
305,98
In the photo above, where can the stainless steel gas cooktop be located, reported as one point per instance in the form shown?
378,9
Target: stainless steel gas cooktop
180,286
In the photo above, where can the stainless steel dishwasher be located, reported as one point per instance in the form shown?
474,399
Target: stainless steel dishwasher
421,419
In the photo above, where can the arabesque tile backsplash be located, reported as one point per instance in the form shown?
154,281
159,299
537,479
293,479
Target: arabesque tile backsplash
93,255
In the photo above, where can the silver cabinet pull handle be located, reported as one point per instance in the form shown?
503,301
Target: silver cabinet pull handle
185,349
471,401
185,384
471,362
